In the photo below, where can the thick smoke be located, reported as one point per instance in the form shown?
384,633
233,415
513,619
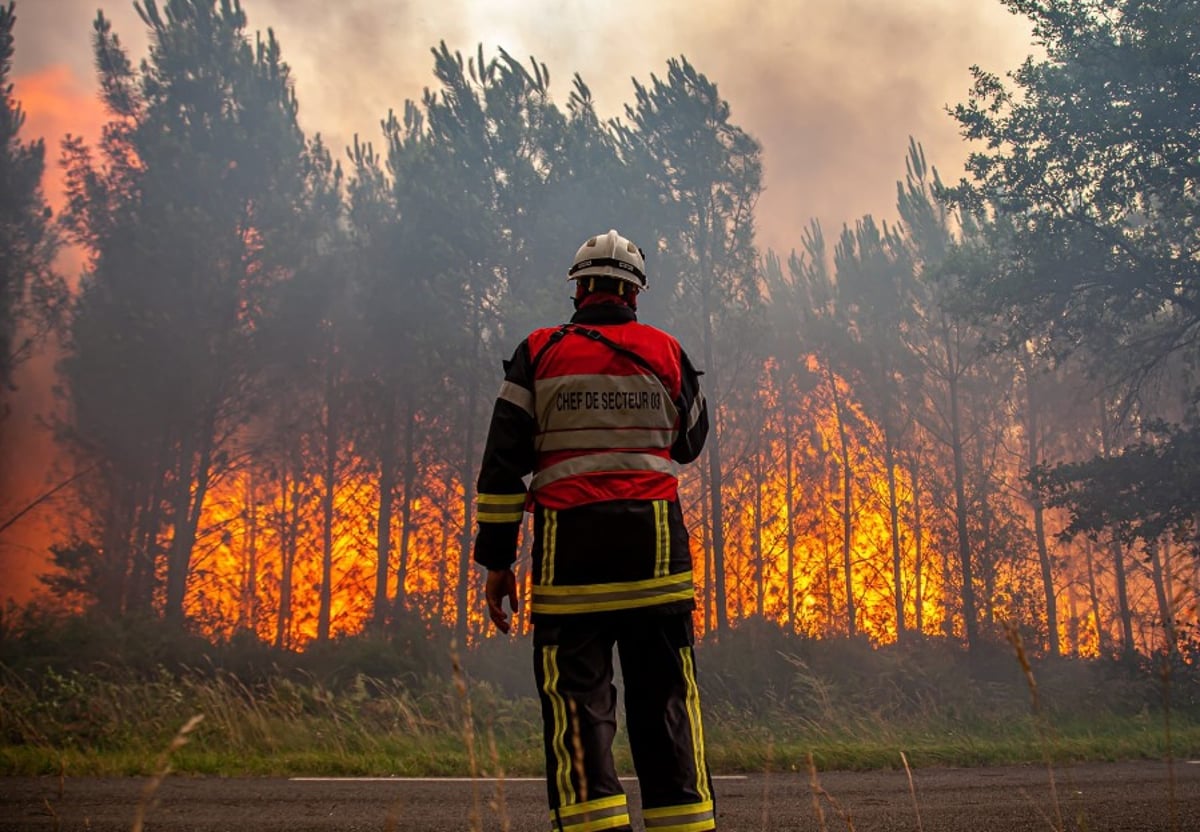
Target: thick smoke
832,90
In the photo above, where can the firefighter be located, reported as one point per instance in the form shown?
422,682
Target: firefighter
599,411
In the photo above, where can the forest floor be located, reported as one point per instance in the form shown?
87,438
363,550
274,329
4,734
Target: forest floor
1099,797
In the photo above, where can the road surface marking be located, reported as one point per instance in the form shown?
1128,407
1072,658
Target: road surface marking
460,779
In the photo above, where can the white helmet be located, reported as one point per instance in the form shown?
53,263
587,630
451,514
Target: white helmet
610,255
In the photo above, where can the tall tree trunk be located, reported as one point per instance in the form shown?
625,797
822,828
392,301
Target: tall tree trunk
716,511
790,498
288,516
383,526
468,508
1103,637
1162,595
249,606
827,553
759,560
1072,621
409,477
1032,460
715,481
150,521
847,508
889,461
918,545
116,543
329,473
188,506
990,558
1117,551
970,624
710,610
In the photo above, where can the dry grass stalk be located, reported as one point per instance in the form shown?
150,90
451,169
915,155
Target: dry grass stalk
1165,674
818,792
1013,634
475,819
161,769
815,786
912,789
499,804
391,821
50,811
766,796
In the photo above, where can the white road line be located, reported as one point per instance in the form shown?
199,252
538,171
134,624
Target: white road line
458,779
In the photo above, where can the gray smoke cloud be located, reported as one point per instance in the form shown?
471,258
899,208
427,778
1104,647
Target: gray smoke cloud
832,90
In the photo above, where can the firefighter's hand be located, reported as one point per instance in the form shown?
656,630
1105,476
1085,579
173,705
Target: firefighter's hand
500,583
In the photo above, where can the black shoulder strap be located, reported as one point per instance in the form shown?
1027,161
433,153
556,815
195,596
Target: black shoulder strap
555,337
562,331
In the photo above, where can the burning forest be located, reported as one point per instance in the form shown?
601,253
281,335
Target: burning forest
275,373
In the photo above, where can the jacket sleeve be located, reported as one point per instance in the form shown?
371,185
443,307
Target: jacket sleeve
507,457
693,414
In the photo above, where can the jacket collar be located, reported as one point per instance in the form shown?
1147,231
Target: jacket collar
604,313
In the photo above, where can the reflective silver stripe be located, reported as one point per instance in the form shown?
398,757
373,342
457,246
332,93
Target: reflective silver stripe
603,401
694,413
612,596
564,440
518,395
592,463
594,815
695,816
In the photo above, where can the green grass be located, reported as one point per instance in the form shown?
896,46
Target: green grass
79,724
76,703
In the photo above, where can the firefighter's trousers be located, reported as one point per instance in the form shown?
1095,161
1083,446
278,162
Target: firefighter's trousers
573,665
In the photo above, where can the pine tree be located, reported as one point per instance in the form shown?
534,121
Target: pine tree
31,294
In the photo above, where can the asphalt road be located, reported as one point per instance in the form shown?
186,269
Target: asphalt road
1107,797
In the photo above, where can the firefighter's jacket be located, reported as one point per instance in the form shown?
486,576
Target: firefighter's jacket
598,411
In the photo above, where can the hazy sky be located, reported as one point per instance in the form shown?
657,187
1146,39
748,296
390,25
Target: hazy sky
832,89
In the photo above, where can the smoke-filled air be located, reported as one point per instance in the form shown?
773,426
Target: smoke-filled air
938,262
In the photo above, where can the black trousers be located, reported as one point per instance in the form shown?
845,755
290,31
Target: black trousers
573,665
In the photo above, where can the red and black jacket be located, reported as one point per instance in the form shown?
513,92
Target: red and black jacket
598,411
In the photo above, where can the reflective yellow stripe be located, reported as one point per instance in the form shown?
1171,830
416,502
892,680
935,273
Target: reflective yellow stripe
549,533
697,726
558,737
694,826
500,508
662,540
693,817
612,596
593,815
496,517
501,500
592,805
